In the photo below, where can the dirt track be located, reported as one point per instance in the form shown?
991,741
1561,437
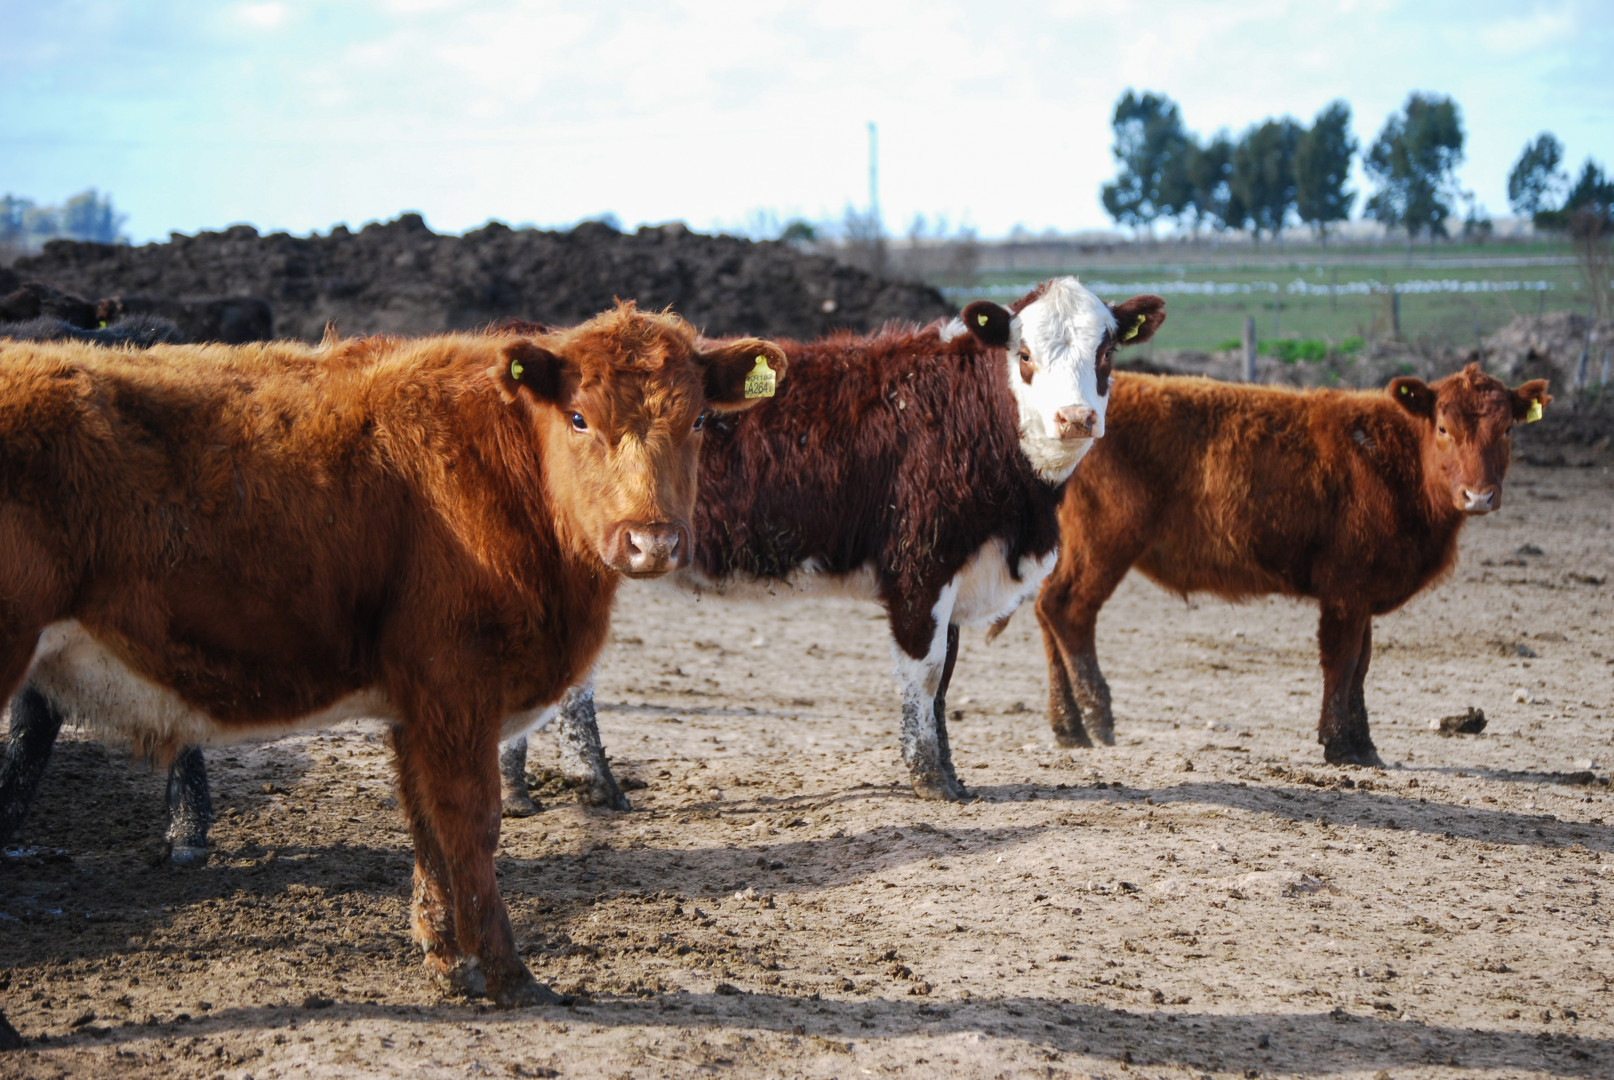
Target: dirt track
1204,898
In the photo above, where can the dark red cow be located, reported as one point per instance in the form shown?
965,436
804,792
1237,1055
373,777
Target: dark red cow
1353,498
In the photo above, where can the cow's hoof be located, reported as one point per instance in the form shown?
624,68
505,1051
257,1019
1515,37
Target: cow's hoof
186,855
1365,756
1073,740
524,993
518,804
941,789
602,791
1105,735
462,978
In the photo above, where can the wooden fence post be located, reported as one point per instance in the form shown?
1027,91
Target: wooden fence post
1249,348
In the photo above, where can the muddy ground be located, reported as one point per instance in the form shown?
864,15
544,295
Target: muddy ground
1205,898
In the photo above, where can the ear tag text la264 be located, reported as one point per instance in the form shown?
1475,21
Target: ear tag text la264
762,381
1534,414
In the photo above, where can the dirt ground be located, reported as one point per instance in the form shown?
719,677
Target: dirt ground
1206,898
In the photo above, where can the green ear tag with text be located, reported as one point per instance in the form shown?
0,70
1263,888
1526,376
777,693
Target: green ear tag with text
762,381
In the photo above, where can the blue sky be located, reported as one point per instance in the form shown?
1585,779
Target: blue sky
299,116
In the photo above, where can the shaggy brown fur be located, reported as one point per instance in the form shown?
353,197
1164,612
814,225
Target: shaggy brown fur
1352,498
265,530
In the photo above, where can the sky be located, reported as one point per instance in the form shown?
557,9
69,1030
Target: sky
200,114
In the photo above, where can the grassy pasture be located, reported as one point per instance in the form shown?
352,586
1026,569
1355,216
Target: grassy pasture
1450,295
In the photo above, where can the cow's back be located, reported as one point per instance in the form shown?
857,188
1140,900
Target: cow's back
895,453
1242,491
243,525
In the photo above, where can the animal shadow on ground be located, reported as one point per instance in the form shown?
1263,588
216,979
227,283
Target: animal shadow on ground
1309,1043
1340,806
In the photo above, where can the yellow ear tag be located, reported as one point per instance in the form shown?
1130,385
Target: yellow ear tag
1534,414
981,320
1136,326
516,369
762,381
1405,389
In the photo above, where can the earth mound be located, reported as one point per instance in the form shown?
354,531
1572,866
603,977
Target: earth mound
402,278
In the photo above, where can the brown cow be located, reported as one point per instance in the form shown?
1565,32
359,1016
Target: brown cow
208,543
1353,498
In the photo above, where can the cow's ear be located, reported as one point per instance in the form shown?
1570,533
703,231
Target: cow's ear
741,373
989,322
1530,399
1413,395
524,366
1137,319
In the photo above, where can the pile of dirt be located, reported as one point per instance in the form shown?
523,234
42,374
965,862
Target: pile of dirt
401,277
1548,347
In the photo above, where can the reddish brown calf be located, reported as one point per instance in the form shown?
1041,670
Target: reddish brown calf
209,543
1353,498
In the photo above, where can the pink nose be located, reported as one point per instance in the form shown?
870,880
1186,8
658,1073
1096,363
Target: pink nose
646,550
1076,422
1479,500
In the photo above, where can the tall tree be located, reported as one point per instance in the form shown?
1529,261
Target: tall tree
1322,165
1536,179
1151,147
1210,171
1263,177
1412,161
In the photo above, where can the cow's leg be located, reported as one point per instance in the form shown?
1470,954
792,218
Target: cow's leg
515,800
190,808
1067,611
582,754
1341,633
944,751
448,779
35,723
920,651
9,1038
1358,699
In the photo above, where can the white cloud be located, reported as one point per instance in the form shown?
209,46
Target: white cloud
265,16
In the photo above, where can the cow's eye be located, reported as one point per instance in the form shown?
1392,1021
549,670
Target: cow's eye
1443,429
700,421
1027,369
578,423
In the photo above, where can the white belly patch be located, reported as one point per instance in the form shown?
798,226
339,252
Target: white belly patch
987,591
95,690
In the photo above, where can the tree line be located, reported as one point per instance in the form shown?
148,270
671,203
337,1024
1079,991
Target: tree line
89,215
1280,171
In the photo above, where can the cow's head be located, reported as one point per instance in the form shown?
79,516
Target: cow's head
1466,424
618,405
1061,342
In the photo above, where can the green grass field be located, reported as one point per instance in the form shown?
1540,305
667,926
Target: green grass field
1501,281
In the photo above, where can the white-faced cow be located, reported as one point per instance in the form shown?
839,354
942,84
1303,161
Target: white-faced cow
206,543
919,468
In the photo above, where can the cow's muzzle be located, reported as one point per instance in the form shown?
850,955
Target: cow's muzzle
1077,422
1478,500
649,550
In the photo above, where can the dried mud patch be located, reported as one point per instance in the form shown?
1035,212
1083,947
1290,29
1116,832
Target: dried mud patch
1205,898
